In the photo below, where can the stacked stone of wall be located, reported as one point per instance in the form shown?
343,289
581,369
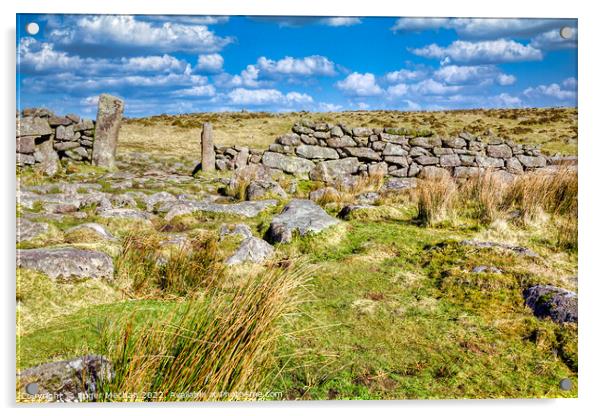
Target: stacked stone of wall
235,157
43,137
324,150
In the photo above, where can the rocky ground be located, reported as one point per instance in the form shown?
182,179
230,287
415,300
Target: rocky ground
394,309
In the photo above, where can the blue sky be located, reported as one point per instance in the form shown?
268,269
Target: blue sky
180,64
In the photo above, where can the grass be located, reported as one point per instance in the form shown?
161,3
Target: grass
421,338
216,346
149,272
178,135
435,199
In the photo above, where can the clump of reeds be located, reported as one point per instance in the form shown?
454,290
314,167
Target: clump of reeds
435,199
483,194
217,348
554,193
147,270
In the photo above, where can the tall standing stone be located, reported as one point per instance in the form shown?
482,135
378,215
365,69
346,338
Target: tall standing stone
208,152
108,122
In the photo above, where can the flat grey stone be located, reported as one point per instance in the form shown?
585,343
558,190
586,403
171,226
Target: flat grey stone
28,230
259,189
125,213
362,153
316,152
158,198
398,184
247,209
252,249
329,170
299,215
288,164
237,229
348,210
33,126
67,262
532,161
69,380
319,194
486,269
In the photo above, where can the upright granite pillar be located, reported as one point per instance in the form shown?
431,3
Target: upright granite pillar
108,122
208,152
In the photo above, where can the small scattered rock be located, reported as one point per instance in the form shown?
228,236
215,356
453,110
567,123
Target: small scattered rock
159,197
367,198
486,269
521,251
322,193
125,213
550,301
72,380
348,210
260,189
237,229
247,209
252,249
28,230
398,184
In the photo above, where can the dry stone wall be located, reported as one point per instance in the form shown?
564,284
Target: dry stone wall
44,138
325,151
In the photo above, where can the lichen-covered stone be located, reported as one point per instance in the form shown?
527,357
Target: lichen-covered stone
549,301
288,164
327,171
66,262
252,249
298,216
108,123
74,380
316,152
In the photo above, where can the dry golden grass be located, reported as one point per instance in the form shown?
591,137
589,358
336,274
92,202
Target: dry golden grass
225,345
555,193
435,199
179,135
486,191
146,271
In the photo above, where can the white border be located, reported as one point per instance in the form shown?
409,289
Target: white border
590,151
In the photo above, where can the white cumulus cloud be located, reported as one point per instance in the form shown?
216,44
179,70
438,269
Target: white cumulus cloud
307,66
398,90
485,52
480,28
121,31
210,62
553,90
404,75
472,74
341,21
432,87
243,96
551,40
361,85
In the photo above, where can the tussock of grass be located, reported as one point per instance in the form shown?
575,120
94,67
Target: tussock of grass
148,272
485,191
556,193
215,350
435,199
